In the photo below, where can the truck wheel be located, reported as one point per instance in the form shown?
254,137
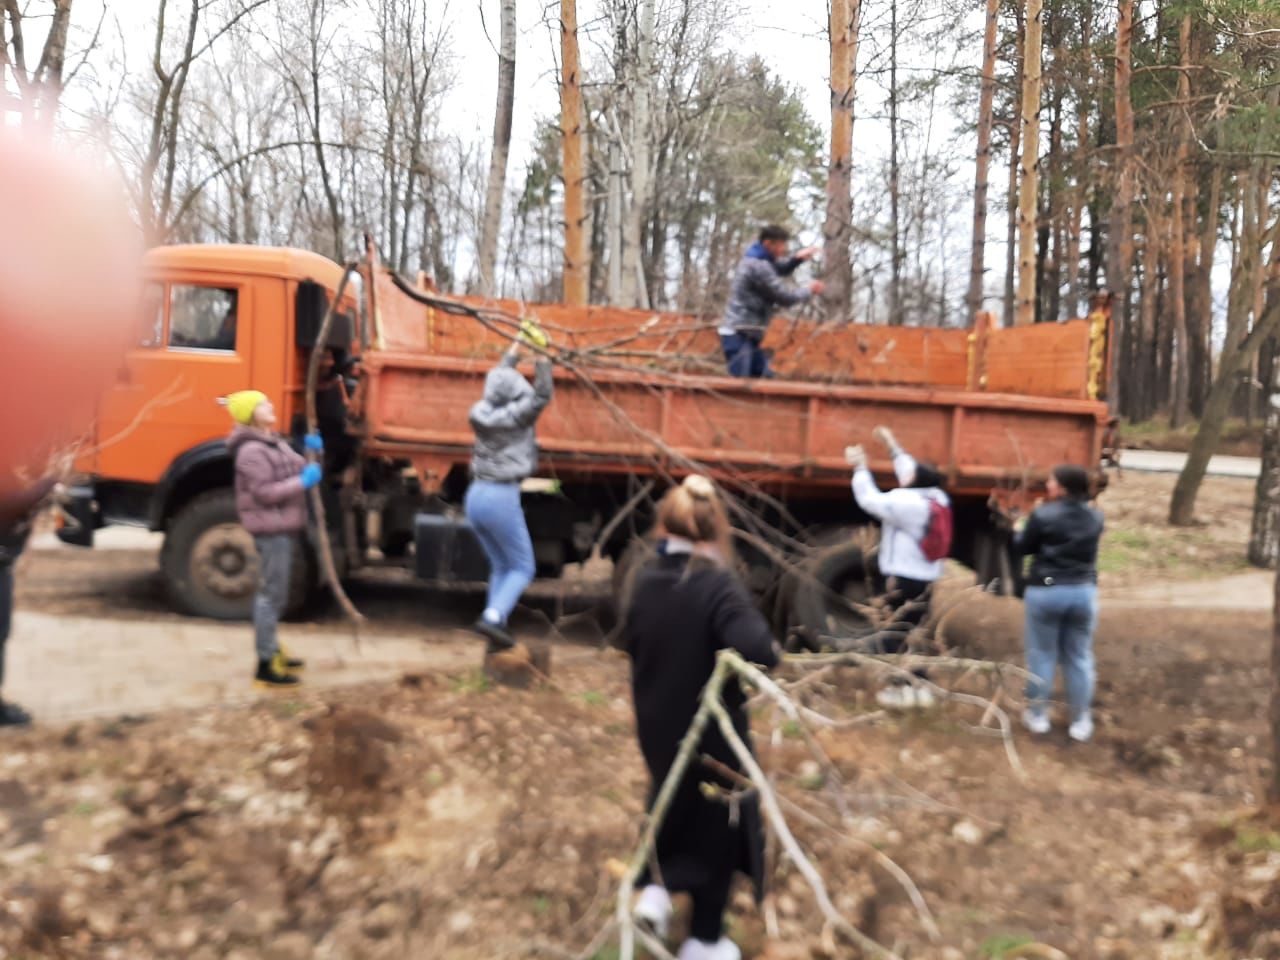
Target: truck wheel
823,596
210,565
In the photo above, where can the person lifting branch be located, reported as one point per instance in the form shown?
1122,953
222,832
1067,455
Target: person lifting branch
915,538
504,455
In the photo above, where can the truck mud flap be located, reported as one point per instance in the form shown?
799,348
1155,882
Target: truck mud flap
447,550
77,516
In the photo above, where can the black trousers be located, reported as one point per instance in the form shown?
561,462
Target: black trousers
710,900
6,610
908,602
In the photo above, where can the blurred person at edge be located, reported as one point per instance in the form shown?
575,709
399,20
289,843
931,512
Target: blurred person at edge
69,285
684,606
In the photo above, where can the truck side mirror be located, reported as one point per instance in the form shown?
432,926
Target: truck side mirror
310,306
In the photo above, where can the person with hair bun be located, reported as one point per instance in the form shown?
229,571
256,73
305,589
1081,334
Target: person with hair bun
1061,599
686,604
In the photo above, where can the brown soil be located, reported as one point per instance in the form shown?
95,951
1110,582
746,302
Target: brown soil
441,817
444,817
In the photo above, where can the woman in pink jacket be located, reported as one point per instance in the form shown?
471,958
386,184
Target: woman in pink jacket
271,484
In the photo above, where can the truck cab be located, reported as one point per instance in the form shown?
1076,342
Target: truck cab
214,319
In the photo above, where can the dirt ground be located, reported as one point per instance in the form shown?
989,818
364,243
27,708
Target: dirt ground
435,816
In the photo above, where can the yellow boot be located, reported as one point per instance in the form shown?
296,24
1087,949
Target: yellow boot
288,663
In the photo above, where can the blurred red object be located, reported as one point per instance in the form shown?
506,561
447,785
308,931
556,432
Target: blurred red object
69,259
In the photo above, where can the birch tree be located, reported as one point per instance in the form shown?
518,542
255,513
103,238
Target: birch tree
487,257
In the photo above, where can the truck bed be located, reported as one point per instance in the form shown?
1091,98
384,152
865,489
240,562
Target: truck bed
645,404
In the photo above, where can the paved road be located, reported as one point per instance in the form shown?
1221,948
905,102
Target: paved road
1163,461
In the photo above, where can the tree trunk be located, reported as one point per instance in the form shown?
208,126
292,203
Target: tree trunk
1147,356
634,291
1120,232
1200,319
1235,358
1077,295
613,230
977,256
1264,534
895,225
503,109
838,230
1178,240
1028,167
1273,782
1011,199
577,266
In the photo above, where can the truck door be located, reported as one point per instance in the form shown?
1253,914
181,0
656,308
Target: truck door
193,349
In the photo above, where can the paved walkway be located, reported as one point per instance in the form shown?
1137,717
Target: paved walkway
65,668
1164,461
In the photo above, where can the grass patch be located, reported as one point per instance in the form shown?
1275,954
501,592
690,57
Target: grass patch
593,698
1002,944
473,681
1253,840
1177,551
1238,438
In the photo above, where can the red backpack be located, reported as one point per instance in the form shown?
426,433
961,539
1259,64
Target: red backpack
936,542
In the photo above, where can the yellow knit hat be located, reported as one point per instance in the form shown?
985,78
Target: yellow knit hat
242,403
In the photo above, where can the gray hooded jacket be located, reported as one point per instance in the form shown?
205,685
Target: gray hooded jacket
758,290
505,450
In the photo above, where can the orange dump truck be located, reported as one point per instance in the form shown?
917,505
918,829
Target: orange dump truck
639,399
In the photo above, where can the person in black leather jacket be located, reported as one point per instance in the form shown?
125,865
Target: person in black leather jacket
1061,599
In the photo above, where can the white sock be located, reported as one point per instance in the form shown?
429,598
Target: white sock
492,616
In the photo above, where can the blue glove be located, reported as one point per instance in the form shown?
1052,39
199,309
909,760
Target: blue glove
311,475
312,441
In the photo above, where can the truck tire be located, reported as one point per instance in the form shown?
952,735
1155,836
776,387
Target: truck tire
817,594
210,565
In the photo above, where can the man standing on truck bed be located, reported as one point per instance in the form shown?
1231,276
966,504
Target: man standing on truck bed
757,292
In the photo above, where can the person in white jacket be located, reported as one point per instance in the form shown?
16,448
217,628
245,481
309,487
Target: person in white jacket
905,515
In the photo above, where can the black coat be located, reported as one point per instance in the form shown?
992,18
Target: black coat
682,611
1063,537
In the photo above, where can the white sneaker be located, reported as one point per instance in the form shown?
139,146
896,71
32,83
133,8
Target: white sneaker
897,697
1081,730
925,699
1037,721
653,909
722,949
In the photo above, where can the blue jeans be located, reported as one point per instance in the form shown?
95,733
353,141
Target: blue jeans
498,519
744,356
1059,629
